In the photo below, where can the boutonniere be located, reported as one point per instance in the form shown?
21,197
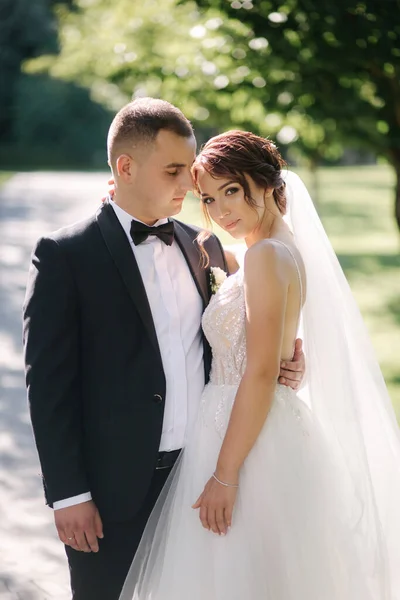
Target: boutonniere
217,278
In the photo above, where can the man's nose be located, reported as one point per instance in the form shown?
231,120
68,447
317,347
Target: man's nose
186,182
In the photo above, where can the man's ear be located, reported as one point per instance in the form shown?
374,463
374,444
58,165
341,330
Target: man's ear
126,168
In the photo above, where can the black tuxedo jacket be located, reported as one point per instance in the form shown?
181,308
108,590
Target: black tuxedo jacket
95,380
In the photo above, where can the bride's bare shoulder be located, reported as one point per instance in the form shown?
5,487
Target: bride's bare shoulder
268,259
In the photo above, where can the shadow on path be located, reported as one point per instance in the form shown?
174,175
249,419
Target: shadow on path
33,564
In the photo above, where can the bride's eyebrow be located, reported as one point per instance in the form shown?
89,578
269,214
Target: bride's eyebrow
225,184
220,188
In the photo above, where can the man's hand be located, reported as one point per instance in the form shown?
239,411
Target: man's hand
292,372
79,526
111,189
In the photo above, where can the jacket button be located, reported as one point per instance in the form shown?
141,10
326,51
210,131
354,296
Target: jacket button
157,398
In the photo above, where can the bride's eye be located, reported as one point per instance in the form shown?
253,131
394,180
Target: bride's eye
207,200
232,190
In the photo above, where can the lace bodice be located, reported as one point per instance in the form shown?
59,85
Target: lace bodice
224,327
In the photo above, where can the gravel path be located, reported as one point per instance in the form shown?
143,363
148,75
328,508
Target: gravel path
32,560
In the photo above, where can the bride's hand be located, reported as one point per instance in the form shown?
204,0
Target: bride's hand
111,189
216,506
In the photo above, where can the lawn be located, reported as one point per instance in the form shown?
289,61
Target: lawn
4,175
356,207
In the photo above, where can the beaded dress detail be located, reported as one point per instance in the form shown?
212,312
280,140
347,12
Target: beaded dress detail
224,327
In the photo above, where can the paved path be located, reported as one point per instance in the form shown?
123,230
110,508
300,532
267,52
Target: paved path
32,563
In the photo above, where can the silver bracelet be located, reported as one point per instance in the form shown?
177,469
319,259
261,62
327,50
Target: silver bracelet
233,485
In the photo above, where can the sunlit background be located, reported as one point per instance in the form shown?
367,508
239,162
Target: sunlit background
322,79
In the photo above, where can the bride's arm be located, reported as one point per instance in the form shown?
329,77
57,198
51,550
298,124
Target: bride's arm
292,371
266,286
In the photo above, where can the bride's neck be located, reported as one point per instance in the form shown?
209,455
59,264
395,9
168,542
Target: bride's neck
271,226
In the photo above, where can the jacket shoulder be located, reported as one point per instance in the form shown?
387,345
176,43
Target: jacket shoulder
194,231
212,244
73,233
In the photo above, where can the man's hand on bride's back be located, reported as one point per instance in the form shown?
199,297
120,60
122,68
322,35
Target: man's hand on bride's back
111,189
292,372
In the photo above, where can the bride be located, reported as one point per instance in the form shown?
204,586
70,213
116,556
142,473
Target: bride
278,497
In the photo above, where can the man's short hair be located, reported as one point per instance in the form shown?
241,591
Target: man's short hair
140,121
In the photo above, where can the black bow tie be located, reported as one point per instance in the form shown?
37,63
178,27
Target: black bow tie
140,232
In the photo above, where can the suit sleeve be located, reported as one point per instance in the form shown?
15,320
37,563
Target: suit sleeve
51,348
216,253
224,262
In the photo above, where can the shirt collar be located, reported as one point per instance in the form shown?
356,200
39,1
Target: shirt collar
126,219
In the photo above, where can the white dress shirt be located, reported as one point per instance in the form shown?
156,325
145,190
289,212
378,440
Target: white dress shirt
176,307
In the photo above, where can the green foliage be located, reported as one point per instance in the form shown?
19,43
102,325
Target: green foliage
43,121
340,64
151,48
336,65
315,76
208,66
27,29
57,121
301,71
5,176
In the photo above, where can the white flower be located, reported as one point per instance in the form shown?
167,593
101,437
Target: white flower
217,278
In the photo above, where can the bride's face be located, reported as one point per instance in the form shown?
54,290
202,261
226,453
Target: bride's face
227,206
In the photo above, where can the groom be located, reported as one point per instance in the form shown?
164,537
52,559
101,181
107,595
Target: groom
115,357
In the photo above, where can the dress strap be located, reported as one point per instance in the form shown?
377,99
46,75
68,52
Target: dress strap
299,277
296,265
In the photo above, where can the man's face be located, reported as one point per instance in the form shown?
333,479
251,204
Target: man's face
163,177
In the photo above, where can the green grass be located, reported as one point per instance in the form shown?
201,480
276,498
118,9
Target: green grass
4,175
356,207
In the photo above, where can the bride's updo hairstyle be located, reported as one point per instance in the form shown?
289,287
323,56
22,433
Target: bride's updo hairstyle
235,155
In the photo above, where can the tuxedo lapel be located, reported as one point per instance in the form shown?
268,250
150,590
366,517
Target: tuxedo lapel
192,256
124,259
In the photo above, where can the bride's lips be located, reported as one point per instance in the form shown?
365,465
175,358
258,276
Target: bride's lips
232,224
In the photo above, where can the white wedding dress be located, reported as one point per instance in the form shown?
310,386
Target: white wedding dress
295,531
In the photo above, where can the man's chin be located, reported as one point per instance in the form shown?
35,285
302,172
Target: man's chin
176,207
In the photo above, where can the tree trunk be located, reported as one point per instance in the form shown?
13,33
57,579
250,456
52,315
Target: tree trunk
397,192
394,159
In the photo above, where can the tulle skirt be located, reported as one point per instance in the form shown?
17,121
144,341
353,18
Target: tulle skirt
295,531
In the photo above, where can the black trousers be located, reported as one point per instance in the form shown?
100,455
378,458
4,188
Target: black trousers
101,575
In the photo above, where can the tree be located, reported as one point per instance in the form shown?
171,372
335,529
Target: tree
313,75
27,29
193,58
339,66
